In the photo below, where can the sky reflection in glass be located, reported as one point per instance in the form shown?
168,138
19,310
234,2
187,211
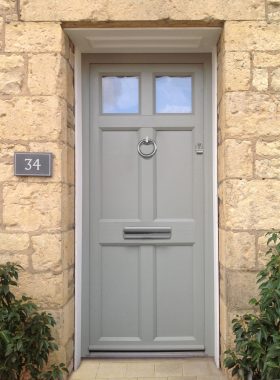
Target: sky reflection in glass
120,94
173,94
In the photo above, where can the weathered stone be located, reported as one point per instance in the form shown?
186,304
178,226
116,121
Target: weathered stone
1,33
70,85
273,10
47,75
7,6
249,114
268,148
251,35
241,167
11,74
32,206
7,160
47,288
33,118
268,168
17,258
250,204
260,79
68,242
264,59
34,37
38,10
262,258
68,206
13,242
241,287
237,71
275,79
237,250
47,253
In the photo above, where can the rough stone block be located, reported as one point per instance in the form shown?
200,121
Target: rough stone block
275,80
237,71
1,33
237,159
47,254
251,35
13,242
16,257
34,37
11,74
260,79
237,250
268,148
7,6
118,10
47,288
241,287
250,204
32,206
47,75
68,242
264,59
273,10
268,168
33,118
7,160
250,114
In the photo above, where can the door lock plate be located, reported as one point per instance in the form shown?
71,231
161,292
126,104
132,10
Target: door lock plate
199,148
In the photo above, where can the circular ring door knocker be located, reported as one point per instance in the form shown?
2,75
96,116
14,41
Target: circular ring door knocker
147,141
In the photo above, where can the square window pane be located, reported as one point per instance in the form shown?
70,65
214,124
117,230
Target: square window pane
120,94
173,94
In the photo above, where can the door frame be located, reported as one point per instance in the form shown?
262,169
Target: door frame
80,174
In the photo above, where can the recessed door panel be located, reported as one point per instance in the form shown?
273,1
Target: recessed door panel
174,168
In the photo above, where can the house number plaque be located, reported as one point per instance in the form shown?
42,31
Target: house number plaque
33,164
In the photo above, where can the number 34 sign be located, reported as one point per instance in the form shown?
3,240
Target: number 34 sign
33,164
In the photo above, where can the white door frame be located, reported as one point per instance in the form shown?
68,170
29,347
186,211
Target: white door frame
211,47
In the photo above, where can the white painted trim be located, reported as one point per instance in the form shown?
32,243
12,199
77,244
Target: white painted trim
78,206
215,207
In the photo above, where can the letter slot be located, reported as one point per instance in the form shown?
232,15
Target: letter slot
147,233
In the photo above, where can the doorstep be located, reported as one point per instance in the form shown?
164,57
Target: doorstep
148,369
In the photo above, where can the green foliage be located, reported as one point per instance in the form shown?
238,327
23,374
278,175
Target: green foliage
25,334
257,336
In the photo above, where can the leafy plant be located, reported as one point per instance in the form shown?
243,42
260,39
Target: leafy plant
257,336
25,334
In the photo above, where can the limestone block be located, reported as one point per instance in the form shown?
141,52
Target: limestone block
250,114
237,159
7,6
273,10
241,287
260,79
237,250
33,118
68,161
68,241
68,206
237,71
1,33
47,74
263,59
268,168
251,35
32,206
13,242
275,80
65,322
17,258
38,10
34,37
11,74
70,85
268,148
262,249
47,253
46,288
250,204
7,160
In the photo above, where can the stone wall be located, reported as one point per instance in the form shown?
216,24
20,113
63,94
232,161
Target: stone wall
36,114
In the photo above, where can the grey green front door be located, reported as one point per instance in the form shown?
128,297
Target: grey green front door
146,251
